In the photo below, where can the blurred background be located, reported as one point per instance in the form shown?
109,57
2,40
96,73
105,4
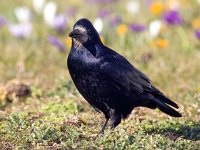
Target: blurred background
161,38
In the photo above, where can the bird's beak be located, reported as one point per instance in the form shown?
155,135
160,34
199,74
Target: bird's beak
75,33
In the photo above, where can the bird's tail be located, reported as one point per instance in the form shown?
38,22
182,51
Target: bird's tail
158,94
165,108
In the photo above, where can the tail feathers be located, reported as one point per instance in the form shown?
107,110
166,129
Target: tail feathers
165,108
167,100
162,97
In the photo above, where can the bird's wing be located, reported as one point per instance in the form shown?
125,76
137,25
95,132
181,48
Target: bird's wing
123,75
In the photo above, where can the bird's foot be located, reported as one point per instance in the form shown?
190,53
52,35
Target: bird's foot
101,132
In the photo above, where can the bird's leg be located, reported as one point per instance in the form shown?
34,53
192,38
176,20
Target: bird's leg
103,127
115,119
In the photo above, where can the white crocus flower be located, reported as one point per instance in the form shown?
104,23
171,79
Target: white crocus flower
23,14
38,5
22,30
98,24
154,28
49,13
133,6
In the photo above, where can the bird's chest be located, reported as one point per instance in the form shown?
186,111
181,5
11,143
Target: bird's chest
89,83
81,65
84,71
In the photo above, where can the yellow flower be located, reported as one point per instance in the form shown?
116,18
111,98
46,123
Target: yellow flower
196,23
159,43
122,29
157,8
68,42
102,39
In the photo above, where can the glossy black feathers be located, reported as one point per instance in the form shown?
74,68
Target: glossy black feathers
108,81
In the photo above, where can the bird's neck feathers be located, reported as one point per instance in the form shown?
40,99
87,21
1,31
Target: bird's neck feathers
95,48
76,43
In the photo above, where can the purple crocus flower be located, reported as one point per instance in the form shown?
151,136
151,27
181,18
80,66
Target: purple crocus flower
60,23
172,17
54,41
2,21
20,31
71,11
104,13
137,27
115,21
197,34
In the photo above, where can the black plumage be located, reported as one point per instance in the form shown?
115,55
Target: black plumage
107,80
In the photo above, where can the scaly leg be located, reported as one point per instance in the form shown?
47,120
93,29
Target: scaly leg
103,127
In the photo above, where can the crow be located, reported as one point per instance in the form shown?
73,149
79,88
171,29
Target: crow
107,81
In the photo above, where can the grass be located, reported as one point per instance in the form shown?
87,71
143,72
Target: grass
55,116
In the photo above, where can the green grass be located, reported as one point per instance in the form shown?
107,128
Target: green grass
55,116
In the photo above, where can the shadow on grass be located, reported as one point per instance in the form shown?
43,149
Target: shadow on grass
178,130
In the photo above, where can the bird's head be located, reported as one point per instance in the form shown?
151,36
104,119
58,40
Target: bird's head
84,33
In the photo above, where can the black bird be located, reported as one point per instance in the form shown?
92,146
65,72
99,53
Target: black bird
107,81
